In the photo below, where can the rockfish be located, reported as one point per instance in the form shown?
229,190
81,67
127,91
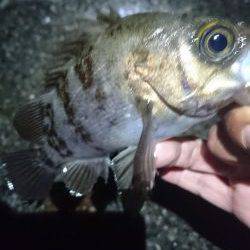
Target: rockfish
138,80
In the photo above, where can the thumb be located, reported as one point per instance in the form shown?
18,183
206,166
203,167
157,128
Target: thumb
237,124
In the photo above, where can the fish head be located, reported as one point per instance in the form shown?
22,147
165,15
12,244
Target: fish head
216,64
193,67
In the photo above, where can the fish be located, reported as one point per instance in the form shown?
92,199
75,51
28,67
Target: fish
117,91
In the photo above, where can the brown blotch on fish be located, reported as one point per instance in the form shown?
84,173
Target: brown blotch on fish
140,67
101,107
52,78
85,70
100,94
64,95
85,135
137,65
53,139
113,122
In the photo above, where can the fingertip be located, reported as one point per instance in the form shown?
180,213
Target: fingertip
166,153
212,136
246,137
237,123
184,153
218,145
173,175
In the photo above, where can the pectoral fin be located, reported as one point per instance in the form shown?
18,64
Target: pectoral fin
143,164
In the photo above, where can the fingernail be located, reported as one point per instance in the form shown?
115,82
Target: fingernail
156,150
246,137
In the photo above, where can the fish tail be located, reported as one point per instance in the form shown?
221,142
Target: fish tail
30,173
29,120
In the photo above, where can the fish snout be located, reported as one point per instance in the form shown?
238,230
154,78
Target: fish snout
245,67
241,68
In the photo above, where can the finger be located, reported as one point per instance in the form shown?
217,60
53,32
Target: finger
241,208
185,153
237,123
223,148
218,144
208,186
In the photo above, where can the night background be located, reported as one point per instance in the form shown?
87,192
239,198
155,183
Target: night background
174,219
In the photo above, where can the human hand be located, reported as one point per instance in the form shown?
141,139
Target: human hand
218,169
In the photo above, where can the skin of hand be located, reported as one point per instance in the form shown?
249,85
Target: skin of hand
218,170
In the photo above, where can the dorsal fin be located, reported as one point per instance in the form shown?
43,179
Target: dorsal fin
110,18
67,52
70,52
84,34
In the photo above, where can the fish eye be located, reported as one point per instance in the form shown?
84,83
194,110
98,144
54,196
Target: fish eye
217,43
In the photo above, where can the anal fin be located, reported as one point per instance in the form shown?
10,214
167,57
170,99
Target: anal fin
81,175
123,168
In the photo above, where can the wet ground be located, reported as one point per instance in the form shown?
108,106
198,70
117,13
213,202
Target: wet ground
30,30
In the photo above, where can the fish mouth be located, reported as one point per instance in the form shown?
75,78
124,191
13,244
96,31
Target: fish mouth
193,108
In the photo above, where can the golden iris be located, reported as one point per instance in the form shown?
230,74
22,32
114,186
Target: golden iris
216,42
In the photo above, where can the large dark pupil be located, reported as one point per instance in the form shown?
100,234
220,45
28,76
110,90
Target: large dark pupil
217,42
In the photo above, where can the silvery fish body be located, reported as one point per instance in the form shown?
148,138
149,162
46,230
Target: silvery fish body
138,80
